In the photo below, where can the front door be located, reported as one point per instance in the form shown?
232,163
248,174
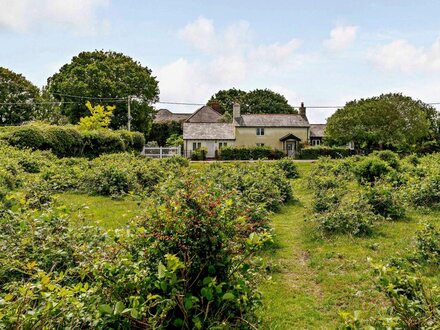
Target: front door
291,148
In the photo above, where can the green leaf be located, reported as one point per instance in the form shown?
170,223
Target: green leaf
161,270
207,293
105,309
228,296
119,308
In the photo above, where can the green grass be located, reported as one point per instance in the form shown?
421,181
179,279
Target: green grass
313,278
103,211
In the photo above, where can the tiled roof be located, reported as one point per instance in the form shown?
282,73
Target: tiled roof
317,130
205,114
208,131
272,120
166,115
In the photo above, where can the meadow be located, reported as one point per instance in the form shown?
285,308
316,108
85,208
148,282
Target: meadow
121,241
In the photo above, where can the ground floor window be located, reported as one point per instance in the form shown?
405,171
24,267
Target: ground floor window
197,145
222,144
316,142
260,144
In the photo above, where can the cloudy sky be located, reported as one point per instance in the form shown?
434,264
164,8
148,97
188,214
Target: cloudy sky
320,52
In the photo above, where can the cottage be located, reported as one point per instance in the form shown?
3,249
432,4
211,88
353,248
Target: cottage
278,131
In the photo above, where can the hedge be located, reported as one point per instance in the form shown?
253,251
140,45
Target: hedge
323,151
65,141
246,153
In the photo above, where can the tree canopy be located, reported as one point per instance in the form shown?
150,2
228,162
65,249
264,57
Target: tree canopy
226,98
376,122
102,77
18,98
256,101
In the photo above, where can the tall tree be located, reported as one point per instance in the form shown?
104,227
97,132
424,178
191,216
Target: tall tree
266,101
388,119
106,77
256,101
223,100
18,98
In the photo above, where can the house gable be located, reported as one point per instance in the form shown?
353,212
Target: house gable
205,114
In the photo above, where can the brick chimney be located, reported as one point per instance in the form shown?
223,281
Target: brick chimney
302,110
236,112
215,105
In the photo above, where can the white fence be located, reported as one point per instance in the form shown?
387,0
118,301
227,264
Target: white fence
161,152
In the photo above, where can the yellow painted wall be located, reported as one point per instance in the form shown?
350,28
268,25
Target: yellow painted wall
247,136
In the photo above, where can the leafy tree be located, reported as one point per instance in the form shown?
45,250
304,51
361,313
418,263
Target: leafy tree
100,117
18,98
265,101
104,76
225,99
256,101
382,121
160,132
175,140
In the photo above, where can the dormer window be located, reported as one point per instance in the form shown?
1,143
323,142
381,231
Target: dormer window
260,131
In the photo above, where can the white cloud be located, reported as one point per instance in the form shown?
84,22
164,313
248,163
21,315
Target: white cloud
402,55
341,37
78,15
232,59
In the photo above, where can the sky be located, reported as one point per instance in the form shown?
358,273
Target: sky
316,52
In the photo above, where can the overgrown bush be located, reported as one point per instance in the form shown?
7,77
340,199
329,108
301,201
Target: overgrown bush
370,169
352,216
385,201
391,158
428,244
288,166
199,154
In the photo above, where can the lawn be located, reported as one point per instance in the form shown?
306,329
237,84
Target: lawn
104,211
313,279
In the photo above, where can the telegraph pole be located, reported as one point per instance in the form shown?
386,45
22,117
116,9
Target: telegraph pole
129,113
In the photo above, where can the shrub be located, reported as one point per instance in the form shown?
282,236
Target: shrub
109,175
199,154
32,137
424,192
371,169
64,141
323,151
326,200
391,158
70,142
385,201
101,142
428,244
352,216
288,166
415,304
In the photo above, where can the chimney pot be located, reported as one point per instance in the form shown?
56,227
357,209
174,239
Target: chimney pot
302,110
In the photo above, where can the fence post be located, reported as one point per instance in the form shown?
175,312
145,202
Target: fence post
160,152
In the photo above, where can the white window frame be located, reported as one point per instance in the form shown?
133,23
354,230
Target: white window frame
197,145
260,144
222,144
260,131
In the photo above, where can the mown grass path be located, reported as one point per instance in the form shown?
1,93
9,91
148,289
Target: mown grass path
315,278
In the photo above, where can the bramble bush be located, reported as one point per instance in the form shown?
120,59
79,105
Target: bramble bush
289,167
351,216
385,200
189,261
